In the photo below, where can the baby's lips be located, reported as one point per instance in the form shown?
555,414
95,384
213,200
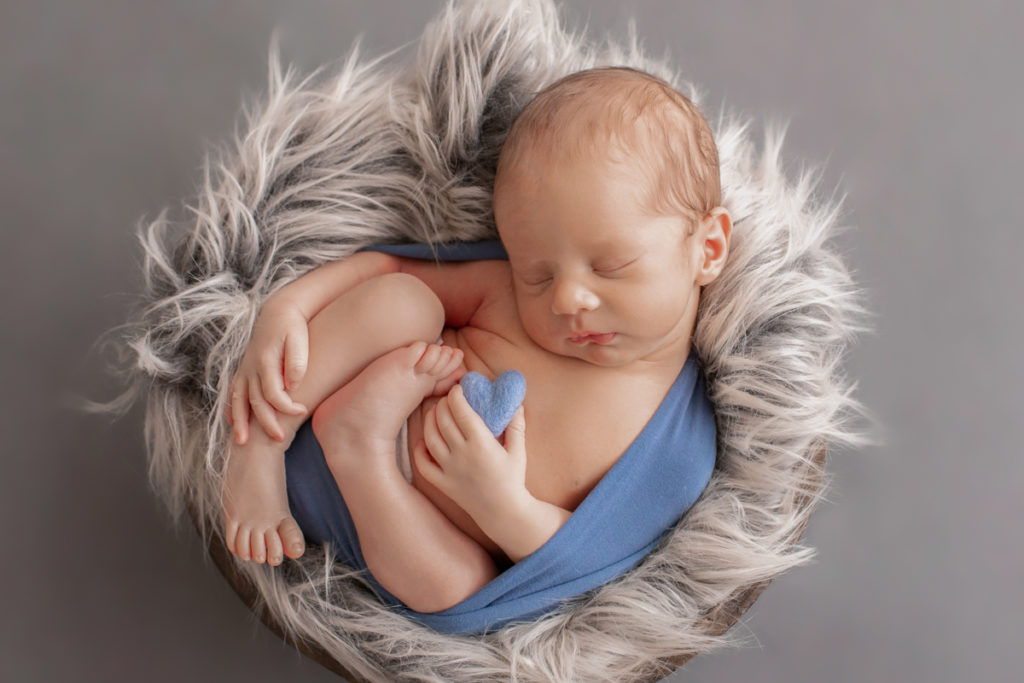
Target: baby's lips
593,337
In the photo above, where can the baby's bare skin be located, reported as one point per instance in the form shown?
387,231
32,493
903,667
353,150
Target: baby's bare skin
399,529
259,525
257,522
570,443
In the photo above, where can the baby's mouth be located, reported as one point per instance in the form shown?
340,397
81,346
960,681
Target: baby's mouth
592,337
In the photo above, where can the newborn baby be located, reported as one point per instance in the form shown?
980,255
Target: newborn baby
607,201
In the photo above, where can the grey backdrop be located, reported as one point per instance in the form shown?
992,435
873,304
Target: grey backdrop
913,108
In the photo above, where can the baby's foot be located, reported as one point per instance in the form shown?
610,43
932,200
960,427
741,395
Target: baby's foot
438,369
363,417
258,524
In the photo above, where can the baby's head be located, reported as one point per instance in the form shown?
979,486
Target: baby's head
627,117
607,198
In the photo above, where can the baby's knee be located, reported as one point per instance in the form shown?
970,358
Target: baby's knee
430,595
403,308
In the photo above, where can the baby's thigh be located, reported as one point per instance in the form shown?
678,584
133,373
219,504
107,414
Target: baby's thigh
367,321
381,314
398,309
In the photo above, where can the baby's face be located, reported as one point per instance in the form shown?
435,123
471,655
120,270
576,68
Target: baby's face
597,275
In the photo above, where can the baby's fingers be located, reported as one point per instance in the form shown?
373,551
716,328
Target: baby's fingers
240,411
271,382
264,412
447,424
426,464
465,417
296,355
515,433
435,443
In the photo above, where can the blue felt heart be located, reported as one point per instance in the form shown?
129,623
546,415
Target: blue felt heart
496,402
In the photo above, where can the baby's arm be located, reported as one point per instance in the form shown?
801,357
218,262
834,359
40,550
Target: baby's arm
487,479
276,359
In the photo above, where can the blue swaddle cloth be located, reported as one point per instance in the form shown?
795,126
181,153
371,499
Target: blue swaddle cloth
447,251
621,520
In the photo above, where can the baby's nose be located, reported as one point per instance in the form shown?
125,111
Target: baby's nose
572,297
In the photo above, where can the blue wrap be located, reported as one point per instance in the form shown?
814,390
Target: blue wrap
631,509
492,250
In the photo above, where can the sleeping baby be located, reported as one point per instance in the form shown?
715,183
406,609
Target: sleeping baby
607,202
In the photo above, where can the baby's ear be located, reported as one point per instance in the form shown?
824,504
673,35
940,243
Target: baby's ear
713,244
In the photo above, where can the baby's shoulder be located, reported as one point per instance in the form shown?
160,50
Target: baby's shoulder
493,280
463,288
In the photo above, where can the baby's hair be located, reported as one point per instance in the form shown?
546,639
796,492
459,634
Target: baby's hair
633,117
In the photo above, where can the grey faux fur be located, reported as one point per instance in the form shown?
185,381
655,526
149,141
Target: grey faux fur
376,153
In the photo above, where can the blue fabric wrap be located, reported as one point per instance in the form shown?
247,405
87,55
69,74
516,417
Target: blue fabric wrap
628,512
446,251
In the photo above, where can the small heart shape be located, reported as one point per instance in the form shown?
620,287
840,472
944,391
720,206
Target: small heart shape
496,402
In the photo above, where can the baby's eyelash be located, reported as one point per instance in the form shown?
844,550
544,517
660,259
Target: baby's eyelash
535,280
614,267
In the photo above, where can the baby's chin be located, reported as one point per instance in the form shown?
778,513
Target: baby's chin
604,356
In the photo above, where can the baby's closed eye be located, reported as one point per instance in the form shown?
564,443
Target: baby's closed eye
535,277
611,266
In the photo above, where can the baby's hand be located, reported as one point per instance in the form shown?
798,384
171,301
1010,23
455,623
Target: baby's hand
461,457
274,363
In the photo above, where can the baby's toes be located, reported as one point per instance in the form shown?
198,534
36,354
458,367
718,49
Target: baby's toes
417,351
275,551
241,547
452,362
428,359
448,374
291,538
230,534
259,546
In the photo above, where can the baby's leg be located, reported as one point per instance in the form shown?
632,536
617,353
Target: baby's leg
379,315
410,547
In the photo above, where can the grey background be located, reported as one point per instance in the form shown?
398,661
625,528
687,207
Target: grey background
914,110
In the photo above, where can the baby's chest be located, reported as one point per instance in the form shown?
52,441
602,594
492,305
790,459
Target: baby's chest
579,418
572,442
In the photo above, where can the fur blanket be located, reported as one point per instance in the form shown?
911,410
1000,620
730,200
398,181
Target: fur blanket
381,152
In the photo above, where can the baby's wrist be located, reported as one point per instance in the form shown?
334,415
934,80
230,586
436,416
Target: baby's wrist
283,301
503,513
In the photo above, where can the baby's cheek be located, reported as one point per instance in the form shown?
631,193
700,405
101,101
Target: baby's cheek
535,323
658,315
